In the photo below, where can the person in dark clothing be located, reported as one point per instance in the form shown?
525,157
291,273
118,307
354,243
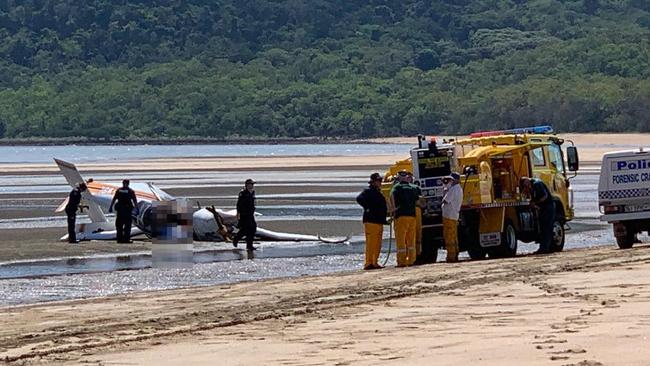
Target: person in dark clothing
71,211
374,219
405,196
541,198
126,201
246,215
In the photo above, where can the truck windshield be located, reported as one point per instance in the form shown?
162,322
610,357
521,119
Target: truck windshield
555,157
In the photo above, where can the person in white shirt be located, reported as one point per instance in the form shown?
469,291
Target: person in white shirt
451,202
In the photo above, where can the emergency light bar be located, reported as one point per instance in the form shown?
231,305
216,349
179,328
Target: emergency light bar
515,131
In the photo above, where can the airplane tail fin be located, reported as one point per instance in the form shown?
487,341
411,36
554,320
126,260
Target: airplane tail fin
73,177
70,172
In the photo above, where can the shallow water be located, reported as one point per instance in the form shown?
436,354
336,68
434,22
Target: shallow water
22,291
88,153
61,279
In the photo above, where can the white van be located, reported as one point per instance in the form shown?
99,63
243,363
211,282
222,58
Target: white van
624,194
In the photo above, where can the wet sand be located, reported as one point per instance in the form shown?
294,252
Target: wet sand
34,243
21,244
583,307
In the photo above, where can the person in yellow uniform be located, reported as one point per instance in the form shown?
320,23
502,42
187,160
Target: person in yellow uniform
451,202
374,219
404,198
418,223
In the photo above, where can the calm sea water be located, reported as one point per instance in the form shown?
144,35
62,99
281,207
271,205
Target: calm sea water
86,153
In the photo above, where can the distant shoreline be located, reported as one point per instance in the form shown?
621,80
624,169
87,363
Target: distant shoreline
601,138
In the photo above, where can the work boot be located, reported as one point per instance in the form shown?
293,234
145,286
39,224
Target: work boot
251,248
372,266
234,243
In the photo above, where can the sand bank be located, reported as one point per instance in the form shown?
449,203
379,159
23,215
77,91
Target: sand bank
582,307
215,163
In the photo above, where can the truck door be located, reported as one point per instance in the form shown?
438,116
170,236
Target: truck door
558,172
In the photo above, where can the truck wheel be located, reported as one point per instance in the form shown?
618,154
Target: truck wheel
626,240
557,243
476,252
508,246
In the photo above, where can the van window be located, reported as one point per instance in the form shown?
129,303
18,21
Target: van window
538,157
555,157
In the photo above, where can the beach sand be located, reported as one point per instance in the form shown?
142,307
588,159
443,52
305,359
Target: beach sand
583,307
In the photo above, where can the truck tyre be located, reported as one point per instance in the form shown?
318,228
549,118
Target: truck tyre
508,246
626,240
557,244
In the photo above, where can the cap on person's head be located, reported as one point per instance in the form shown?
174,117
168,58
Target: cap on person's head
375,177
249,181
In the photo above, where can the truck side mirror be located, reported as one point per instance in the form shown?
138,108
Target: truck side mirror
572,158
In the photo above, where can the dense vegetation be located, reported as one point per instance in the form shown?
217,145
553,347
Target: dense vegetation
175,68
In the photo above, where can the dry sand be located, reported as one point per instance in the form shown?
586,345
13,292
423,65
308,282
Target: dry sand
582,307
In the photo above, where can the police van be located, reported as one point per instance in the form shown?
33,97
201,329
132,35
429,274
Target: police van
624,194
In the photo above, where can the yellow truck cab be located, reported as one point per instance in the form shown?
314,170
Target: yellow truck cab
494,213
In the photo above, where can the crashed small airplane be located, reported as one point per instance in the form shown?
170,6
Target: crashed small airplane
209,224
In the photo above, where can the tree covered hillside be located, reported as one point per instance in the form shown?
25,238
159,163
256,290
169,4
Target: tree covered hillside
284,68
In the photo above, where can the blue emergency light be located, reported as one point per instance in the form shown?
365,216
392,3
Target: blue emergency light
515,131
536,129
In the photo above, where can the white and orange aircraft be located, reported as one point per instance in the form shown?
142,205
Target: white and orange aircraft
209,224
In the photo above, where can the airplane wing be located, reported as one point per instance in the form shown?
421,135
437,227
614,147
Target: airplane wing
265,234
73,177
